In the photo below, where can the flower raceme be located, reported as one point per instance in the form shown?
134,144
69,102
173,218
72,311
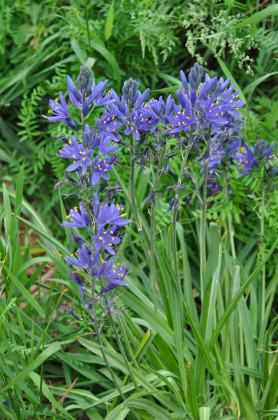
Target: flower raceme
204,113
102,224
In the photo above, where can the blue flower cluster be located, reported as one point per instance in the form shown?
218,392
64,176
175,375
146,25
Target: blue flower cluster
203,115
97,227
241,155
205,107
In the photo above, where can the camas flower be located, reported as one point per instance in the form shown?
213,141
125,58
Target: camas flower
114,274
264,154
90,137
211,104
76,151
78,280
263,151
159,109
83,102
108,123
60,112
216,154
242,156
112,215
85,259
105,239
100,169
182,120
77,219
139,123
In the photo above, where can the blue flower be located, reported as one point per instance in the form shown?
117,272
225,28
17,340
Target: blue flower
108,125
85,259
216,154
159,109
264,154
211,103
61,112
114,274
90,138
100,169
263,151
183,119
242,156
76,219
129,112
110,215
83,102
106,239
97,94
214,113
76,151
78,280
139,123
107,147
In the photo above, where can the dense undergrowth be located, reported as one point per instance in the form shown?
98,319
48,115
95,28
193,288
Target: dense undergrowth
173,350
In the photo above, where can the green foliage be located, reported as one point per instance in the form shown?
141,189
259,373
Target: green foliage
187,359
42,43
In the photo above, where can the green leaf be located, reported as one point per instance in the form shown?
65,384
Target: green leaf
27,295
109,22
46,391
257,17
204,413
232,305
229,75
118,413
252,86
80,54
34,364
109,57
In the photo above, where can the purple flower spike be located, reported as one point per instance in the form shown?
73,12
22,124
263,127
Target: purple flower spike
216,154
83,102
60,112
242,155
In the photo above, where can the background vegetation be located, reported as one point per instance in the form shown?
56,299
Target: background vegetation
50,366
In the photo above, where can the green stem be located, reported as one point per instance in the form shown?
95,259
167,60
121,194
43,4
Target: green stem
175,213
132,185
119,343
174,237
104,355
203,231
153,267
230,222
262,233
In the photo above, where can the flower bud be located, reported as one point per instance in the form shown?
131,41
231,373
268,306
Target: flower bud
85,79
130,90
